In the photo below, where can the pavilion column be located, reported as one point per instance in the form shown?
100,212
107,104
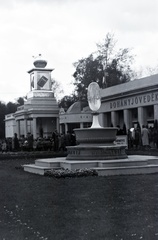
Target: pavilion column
101,119
141,116
66,127
105,120
126,114
18,128
34,128
81,125
156,112
25,127
114,118
60,128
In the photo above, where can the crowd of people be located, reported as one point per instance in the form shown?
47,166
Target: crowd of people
144,138
138,138
57,142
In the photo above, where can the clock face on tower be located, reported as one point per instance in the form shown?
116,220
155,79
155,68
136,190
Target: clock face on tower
43,80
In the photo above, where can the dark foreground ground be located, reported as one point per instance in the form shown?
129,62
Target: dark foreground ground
35,207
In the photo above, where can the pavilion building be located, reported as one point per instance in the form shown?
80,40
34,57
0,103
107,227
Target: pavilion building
125,104
40,113
130,103
78,115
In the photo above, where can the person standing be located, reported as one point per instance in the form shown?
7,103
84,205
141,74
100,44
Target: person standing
4,146
15,143
145,137
137,138
55,140
30,141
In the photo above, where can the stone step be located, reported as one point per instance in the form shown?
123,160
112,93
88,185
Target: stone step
131,170
130,161
32,168
134,164
127,163
50,162
124,163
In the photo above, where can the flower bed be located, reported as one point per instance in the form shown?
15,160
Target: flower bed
64,173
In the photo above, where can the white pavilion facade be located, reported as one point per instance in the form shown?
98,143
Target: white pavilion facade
40,113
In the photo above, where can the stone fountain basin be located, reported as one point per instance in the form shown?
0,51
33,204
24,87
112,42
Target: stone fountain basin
102,135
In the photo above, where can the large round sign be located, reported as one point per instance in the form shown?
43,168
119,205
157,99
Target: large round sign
93,94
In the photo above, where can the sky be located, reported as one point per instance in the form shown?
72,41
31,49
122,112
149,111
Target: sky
64,31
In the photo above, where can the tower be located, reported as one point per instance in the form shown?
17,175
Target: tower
40,78
40,113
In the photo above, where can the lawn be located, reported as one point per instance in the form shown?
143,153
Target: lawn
86,208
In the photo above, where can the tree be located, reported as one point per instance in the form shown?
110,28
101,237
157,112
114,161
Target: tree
105,51
20,101
56,88
87,70
11,107
105,67
67,101
116,65
2,117
8,108
147,71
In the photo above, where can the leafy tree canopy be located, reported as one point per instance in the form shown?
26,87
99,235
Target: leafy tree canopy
8,108
56,88
2,117
106,67
20,101
67,101
11,107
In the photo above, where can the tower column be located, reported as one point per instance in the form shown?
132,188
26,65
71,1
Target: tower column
25,127
34,128
18,128
35,80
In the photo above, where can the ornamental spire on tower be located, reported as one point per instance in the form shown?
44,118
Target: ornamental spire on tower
39,62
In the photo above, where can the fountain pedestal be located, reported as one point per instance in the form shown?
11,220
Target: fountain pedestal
96,144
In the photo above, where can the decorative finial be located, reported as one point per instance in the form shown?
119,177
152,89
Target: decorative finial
39,55
39,62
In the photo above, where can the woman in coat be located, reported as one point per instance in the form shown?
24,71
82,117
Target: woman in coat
145,137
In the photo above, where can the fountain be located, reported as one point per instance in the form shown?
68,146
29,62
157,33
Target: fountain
96,142
96,149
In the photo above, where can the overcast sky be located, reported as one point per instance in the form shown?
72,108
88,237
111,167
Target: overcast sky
64,31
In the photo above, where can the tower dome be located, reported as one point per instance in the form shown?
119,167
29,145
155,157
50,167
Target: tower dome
39,62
